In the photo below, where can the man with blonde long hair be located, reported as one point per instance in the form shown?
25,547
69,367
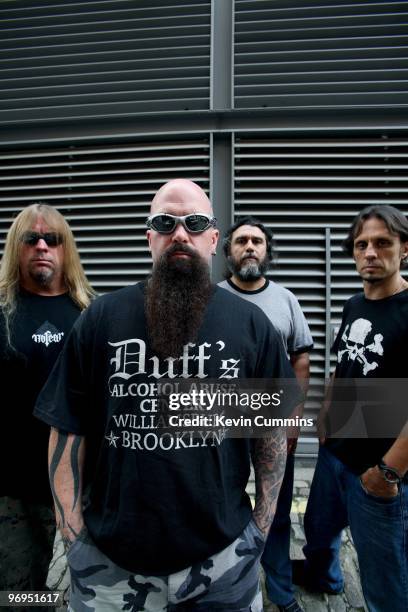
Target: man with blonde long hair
43,289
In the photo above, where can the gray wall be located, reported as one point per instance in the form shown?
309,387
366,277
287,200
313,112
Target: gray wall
290,110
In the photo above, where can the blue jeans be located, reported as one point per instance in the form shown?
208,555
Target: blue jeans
379,527
275,559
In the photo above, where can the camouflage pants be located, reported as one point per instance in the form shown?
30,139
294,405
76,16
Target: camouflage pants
27,532
228,581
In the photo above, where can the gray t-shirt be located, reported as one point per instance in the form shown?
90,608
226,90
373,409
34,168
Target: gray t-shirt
283,310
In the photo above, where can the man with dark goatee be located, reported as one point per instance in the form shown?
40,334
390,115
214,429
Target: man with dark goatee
168,524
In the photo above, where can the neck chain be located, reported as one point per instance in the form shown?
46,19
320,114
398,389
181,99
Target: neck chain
400,287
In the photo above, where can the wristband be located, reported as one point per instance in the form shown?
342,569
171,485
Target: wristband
390,474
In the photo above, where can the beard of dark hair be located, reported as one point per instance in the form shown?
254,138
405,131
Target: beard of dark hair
248,273
176,298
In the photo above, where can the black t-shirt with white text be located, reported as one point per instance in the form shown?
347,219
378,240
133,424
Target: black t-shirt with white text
39,326
371,343
158,503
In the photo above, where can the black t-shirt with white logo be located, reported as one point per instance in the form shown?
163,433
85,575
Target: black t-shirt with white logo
158,502
39,327
372,343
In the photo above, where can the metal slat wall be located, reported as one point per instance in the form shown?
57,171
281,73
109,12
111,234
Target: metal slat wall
308,191
131,77
320,54
105,193
79,59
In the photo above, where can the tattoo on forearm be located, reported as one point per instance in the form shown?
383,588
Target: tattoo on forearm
70,459
269,459
81,535
75,468
55,461
72,530
66,542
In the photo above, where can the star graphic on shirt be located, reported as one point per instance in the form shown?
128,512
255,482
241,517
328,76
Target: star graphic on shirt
112,439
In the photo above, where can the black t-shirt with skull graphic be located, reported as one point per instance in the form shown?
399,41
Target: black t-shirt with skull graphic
39,326
371,343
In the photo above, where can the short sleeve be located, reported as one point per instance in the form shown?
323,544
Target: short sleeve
335,345
300,341
275,366
64,400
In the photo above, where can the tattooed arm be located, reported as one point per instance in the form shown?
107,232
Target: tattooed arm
66,458
269,460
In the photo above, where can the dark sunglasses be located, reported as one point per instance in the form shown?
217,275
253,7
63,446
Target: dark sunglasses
52,239
193,223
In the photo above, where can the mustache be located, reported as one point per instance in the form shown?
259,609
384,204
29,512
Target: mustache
249,257
178,247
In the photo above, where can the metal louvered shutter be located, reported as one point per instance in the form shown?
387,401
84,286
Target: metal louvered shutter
105,193
320,54
308,191
103,59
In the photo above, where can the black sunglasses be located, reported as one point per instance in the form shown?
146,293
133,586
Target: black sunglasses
52,239
193,223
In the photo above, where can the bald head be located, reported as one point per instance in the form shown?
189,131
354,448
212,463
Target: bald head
181,193
181,197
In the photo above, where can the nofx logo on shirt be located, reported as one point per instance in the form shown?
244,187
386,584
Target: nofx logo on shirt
361,346
47,334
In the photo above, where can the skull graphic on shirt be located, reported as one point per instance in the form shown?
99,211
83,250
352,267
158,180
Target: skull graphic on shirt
356,338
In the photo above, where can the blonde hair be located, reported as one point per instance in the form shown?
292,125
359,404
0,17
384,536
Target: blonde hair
75,280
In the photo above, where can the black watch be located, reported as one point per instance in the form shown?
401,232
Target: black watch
390,474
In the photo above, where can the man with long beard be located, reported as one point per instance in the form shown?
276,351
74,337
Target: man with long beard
247,248
168,525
